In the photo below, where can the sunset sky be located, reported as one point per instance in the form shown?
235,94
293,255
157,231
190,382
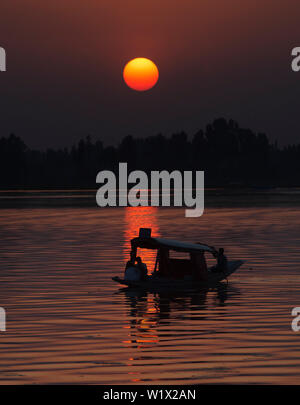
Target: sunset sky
216,58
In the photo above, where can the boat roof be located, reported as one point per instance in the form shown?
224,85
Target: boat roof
156,243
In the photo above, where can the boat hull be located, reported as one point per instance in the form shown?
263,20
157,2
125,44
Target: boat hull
156,283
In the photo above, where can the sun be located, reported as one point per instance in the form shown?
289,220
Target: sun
140,74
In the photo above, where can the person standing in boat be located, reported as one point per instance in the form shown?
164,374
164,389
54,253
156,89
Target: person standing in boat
222,264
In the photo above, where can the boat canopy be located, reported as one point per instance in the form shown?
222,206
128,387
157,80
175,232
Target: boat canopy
157,243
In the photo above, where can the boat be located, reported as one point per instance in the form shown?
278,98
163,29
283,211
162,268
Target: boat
176,274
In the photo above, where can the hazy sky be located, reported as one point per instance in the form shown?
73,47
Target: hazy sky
216,58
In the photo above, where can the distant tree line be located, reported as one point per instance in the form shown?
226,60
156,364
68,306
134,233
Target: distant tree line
228,154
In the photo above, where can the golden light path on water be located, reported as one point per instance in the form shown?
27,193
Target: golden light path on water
142,328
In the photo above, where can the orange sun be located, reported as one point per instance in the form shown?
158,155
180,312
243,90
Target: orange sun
140,74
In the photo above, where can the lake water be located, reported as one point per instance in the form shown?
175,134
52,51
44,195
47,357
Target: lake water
68,322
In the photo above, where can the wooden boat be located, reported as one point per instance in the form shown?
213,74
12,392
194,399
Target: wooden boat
177,274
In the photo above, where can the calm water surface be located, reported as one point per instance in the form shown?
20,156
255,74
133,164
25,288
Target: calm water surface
67,322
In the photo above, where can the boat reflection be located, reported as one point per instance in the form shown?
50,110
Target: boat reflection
147,312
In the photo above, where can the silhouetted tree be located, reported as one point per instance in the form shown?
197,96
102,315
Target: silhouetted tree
227,153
